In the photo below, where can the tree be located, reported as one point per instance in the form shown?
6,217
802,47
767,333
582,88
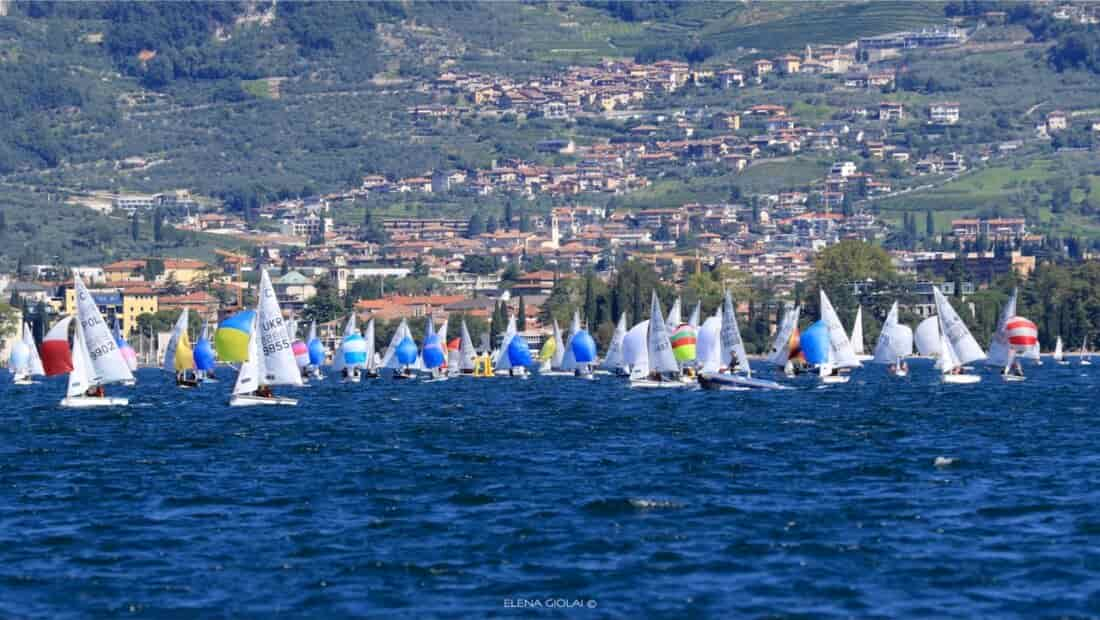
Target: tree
3,222
491,224
838,266
589,300
524,222
475,226
521,319
158,225
507,223
325,305
929,224
135,227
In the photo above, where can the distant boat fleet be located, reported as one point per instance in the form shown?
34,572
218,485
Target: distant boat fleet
662,352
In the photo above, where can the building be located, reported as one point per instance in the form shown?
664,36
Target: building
762,67
981,267
944,113
788,64
115,304
306,226
1057,121
997,229
891,111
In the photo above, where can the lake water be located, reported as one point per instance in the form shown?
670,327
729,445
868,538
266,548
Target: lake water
556,497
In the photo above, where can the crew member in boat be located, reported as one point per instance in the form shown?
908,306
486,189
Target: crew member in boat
96,391
264,391
1015,370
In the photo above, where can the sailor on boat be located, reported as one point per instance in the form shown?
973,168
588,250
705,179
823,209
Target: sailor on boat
1015,369
96,391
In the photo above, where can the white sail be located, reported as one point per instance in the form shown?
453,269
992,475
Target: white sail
635,348
842,354
278,356
80,376
709,344
169,362
350,327
369,338
951,324
895,341
1057,355
248,377
781,347
34,361
927,337
659,347
559,348
614,358
502,362
694,320
568,361
312,331
389,358
733,347
107,363
999,348
949,359
857,332
467,353
674,315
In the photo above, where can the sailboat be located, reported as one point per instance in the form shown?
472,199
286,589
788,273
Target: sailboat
270,358
733,361
957,346
1058,356
895,343
179,358
635,351
96,360
351,356
25,362
556,348
317,352
569,361
502,363
434,354
857,337
840,354
1086,359
663,371
1015,337
785,352
204,357
614,362
128,352
467,354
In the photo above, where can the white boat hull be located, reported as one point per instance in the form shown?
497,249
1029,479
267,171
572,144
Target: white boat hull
834,379
901,373
84,402
649,383
22,381
961,379
555,373
251,400
1013,378
1086,363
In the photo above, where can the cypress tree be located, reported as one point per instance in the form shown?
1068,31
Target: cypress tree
929,224
135,227
521,319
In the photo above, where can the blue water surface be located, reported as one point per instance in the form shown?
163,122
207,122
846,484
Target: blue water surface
557,497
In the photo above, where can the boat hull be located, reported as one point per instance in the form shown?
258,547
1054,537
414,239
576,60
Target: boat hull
251,400
716,380
961,379
1013,378
22,381
835,379
651,384
85,402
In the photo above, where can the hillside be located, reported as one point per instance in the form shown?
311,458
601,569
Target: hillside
264,100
